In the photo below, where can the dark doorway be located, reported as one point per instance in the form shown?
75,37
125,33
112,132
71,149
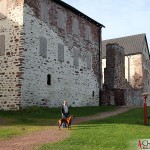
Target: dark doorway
119,97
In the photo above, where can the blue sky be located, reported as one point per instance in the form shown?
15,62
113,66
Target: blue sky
120,17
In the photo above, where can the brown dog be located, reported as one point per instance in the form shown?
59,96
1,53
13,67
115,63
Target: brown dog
65,120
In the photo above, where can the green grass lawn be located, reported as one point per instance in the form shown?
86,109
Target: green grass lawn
114,133
28,120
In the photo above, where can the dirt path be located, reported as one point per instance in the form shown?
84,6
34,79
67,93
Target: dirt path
28,142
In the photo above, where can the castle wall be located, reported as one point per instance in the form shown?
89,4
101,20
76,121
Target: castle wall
123,78
114,72
69,69
133,69
11,39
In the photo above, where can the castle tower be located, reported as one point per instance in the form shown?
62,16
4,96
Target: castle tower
115,67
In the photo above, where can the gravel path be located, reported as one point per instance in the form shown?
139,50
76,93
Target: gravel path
30,142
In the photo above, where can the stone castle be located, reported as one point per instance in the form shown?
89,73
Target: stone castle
126,70
49,51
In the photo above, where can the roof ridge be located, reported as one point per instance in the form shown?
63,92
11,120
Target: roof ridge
132,44
135,35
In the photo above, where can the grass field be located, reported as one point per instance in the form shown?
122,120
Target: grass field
114,133
14,123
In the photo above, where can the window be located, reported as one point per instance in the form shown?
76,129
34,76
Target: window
43,47
93,93
3,9
75,26
44,12
2,45
76,57
2,16
89,60
88,35
61,20
60,52
48,79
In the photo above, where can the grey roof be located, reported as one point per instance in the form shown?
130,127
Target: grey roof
77,12
132,44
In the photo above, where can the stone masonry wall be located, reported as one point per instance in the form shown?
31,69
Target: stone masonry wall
116,88
75,78
11,29
115,67
134,71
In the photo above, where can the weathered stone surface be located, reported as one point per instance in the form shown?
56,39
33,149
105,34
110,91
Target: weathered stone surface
24,71
115,67
116,88
10,62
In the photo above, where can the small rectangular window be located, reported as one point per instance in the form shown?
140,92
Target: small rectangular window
43,47
60,52
61,20
76,57
2,45
2,16
3,9
88,34
48,79
89,60
93,93
44,12
75,26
